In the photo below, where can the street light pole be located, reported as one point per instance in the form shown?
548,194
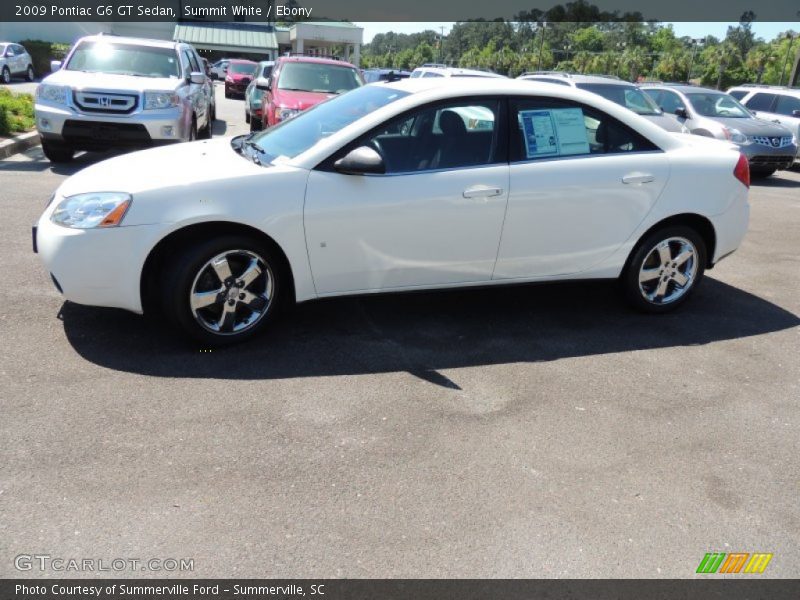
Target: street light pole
790,37
695,43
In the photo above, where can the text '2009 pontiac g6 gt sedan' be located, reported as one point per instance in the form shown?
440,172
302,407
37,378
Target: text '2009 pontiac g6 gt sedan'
398,186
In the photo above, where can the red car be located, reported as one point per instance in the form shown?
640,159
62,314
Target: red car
240,74
300,82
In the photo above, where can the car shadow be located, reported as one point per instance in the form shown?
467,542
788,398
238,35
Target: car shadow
775,182
219,127
39,163
422,333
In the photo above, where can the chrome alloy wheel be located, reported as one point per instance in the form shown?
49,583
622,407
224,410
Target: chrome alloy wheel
231,292
668,271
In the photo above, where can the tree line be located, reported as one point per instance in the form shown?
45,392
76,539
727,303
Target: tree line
625,46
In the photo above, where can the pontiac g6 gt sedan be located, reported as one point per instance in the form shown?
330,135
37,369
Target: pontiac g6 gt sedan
398,186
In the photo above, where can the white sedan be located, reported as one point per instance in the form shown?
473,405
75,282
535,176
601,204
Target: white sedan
408,185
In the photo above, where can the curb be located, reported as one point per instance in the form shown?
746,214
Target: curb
19,143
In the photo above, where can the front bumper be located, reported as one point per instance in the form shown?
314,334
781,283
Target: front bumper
96,267
97,131
765,157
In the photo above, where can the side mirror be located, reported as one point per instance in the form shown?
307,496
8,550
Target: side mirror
55,65
360,161
796,113
681,112
197,77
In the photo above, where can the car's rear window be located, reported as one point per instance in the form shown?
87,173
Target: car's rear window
241,68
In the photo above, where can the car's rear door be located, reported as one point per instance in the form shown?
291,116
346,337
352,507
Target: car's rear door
581,182
433,219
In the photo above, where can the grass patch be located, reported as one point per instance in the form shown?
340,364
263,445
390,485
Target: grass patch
16,112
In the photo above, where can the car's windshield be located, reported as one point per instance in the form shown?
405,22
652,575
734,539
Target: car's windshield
717,104
318,77
124,59
242,68
625,95
294,136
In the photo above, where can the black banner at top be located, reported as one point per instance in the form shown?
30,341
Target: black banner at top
392,10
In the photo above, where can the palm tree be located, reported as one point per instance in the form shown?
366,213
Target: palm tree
636,60
759,58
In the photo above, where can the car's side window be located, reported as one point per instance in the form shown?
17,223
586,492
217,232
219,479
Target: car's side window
761,101
443,136
10,51
670,101
186,63
553,128
738,94
195,62
786,105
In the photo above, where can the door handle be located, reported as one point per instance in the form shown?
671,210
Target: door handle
778,121
482,191
638,178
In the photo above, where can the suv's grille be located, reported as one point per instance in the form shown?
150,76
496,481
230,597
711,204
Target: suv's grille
107,103
772,141
95,135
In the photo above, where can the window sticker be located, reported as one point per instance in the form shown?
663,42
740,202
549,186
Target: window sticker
554,132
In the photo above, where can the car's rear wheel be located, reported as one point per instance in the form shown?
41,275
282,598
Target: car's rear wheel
29,74
6,76
246,117
223,290
57,152
193,131
664,269
255,125
761,173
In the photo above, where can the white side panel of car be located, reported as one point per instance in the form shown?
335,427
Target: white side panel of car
557,228
391,232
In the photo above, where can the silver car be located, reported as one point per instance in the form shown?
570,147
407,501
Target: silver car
767,146
611,88
15,62
772,103
117,92
253,96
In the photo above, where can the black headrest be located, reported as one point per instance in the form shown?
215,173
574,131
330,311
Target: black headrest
451,123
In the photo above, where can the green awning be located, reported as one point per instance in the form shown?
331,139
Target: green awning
244,36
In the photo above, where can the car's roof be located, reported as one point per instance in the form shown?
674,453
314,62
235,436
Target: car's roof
574,78
315,59
116,39
772,89
459,72
242,61
682,87
266,63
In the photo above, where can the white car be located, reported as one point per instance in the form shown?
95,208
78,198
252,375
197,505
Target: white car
388,188
15,62
443,71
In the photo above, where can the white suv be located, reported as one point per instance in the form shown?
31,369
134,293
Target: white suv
116,92
772,103
435,70
15,61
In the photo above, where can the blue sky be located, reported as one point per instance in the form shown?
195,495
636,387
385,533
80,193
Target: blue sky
767,30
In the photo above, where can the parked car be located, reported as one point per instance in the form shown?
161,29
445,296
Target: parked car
373,75
238,76
15,62
383,189
434,70
768,146
220,68
777,104
300,82
253,96
611,88
119,92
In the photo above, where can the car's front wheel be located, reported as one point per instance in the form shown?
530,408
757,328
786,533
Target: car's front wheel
6,75
664,269
57,152
29,74
223,290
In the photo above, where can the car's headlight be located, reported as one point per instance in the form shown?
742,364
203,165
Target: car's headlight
56,94
158,100
736,136
282,113
86,211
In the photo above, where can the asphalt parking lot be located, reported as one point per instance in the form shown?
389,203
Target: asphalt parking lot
538,431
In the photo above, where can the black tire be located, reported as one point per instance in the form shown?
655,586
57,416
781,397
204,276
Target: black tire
205,132
644,296
246,117
227,93
190,270
57,152
29,74
6,75
193,131
761,173
255,125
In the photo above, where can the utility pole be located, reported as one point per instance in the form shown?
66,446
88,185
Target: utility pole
543,27
441,43
695,42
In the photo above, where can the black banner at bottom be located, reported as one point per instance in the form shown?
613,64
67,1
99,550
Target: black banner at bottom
399,589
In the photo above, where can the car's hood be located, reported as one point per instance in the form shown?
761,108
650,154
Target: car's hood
704,142
754,126
105,82
300,100
666,122
186,164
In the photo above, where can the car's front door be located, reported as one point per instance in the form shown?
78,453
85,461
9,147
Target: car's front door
581,183
433,219
787,113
